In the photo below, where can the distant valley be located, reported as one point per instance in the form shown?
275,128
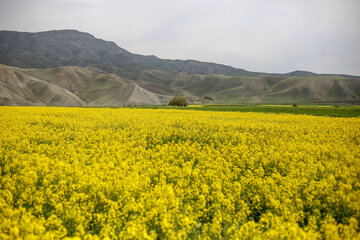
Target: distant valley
72,68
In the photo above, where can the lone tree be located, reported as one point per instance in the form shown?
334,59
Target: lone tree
178,101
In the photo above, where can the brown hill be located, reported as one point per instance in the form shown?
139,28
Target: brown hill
69,86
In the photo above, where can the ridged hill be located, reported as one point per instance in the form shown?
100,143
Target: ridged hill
69,86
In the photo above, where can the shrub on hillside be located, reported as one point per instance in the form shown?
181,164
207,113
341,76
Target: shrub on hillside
295,105
178,101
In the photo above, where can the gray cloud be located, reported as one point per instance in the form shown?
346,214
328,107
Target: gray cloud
258,35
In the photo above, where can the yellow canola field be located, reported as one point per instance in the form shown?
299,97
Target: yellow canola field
171,174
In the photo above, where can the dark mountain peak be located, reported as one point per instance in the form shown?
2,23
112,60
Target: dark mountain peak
56,48
64,31
71,47
75,35
57,34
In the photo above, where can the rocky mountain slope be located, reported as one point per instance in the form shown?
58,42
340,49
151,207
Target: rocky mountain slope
71,47
109,75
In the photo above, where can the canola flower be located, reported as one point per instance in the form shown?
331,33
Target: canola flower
77,173
195,105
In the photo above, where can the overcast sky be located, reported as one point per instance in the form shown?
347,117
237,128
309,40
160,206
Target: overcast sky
322,36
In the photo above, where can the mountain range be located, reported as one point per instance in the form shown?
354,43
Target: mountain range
72,68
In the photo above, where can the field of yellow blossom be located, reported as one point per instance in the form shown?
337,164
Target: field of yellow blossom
87,173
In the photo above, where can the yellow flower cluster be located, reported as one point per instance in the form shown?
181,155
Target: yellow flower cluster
171,174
